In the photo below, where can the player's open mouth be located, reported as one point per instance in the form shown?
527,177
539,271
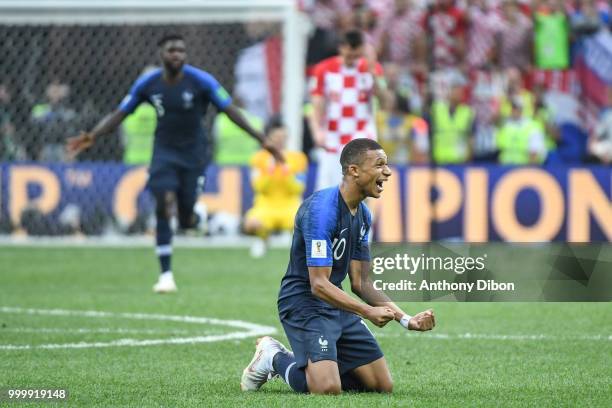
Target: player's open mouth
379,185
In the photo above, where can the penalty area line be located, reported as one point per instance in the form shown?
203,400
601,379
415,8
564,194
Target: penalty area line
103,330
246,329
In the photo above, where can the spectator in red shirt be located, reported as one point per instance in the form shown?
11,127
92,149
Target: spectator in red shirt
515,38
485,24
446,28
327,14
328,17
365,20
403,39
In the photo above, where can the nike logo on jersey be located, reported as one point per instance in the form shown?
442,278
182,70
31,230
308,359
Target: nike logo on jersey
343,231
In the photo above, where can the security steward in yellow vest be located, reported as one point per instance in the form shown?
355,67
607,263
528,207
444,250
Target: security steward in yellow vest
520,140
453,125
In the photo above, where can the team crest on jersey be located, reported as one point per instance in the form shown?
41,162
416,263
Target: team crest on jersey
318,248
363,232
187,99
324,343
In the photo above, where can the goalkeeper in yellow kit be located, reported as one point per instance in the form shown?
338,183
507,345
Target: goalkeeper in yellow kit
278,189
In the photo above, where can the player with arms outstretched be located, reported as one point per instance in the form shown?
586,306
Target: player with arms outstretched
181,94
332,347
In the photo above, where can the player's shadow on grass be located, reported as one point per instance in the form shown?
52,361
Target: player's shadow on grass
287,391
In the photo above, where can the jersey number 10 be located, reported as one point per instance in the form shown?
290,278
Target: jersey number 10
338,247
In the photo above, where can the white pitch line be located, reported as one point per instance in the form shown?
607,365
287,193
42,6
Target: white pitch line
134,342
136,316
251,329
511,337
85,330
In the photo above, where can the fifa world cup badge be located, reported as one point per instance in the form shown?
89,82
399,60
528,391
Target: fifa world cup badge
318,249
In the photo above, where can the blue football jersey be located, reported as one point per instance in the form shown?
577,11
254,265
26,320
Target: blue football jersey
325,234
179,135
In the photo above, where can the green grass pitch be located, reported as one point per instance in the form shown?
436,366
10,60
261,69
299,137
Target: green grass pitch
516,354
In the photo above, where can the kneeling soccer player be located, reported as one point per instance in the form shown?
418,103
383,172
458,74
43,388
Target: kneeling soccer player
333,349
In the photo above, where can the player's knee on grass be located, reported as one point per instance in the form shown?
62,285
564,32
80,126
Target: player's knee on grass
375,376
323,377
385,385
374,384
324,386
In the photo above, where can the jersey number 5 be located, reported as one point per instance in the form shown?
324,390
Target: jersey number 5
157,102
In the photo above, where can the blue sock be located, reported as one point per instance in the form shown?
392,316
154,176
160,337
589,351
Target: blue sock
284,364
163,237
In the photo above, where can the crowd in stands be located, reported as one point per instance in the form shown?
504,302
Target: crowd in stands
35,129
469,77
470,81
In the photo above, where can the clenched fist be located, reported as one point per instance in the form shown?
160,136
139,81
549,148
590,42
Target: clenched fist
422,321
380,315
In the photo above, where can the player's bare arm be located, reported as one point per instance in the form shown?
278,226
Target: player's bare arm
315,120
238,118
84,140
362,286
327,291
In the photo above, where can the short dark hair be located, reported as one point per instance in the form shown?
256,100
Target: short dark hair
352,38
275,122
169,37
354,151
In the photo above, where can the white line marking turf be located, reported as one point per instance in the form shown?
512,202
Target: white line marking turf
248,329
252,330
103,330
